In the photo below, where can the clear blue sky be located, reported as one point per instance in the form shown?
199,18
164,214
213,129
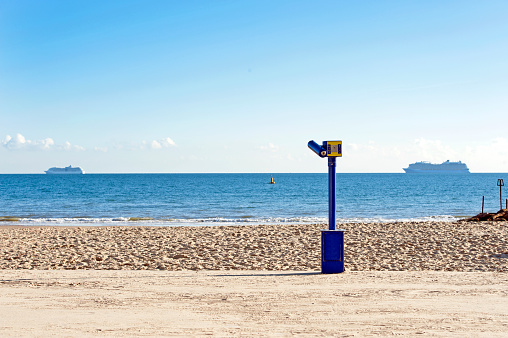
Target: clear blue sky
242,86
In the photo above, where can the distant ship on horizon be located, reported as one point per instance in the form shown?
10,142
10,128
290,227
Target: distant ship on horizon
67,170
445,167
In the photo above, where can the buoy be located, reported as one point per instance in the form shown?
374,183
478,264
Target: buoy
271,179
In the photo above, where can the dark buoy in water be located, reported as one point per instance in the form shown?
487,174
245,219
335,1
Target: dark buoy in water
271,179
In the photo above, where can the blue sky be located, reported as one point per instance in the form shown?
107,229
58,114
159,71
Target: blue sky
242,86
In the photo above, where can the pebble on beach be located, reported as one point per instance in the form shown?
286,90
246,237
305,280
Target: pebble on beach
399,246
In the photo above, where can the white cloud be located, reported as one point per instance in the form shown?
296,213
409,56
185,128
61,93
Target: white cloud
270,147
67,146
433,150
19,142
45,144
164,143
155,145
167,142
143,145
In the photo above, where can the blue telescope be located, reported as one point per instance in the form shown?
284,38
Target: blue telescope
332,240
332,150
329,149
319,150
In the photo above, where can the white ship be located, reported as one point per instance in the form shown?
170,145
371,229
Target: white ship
66,170
445,167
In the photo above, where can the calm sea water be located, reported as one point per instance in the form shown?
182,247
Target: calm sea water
190,199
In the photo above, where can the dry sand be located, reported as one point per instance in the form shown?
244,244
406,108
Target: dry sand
433,279
253,303
371,246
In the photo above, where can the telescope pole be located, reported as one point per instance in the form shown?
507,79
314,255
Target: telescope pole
331,193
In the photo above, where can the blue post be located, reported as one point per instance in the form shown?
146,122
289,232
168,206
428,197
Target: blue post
332,240
332,209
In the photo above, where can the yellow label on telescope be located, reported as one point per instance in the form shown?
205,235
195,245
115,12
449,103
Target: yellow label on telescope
333,148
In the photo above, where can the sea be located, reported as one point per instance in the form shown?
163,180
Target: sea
242,199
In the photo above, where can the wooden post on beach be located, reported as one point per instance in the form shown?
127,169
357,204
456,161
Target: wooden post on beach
483,202
500,184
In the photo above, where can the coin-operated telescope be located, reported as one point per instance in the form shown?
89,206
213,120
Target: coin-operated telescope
332,240
328,149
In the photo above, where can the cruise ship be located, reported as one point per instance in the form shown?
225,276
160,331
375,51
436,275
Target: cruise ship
66,170
445,167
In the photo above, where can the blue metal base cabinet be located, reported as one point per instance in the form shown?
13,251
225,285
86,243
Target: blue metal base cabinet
332,251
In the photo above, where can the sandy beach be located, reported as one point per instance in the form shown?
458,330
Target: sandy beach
403,246
405,278
253,303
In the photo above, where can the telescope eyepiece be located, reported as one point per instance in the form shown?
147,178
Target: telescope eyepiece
316,148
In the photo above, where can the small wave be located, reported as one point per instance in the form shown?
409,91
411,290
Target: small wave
440,218
90,221
73,221
168,222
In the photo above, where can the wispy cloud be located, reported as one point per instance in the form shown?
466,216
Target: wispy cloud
141,145
19,142
146,145
68,146
270,147
164,143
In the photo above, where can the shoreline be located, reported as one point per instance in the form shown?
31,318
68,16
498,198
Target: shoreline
397,246
214,221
